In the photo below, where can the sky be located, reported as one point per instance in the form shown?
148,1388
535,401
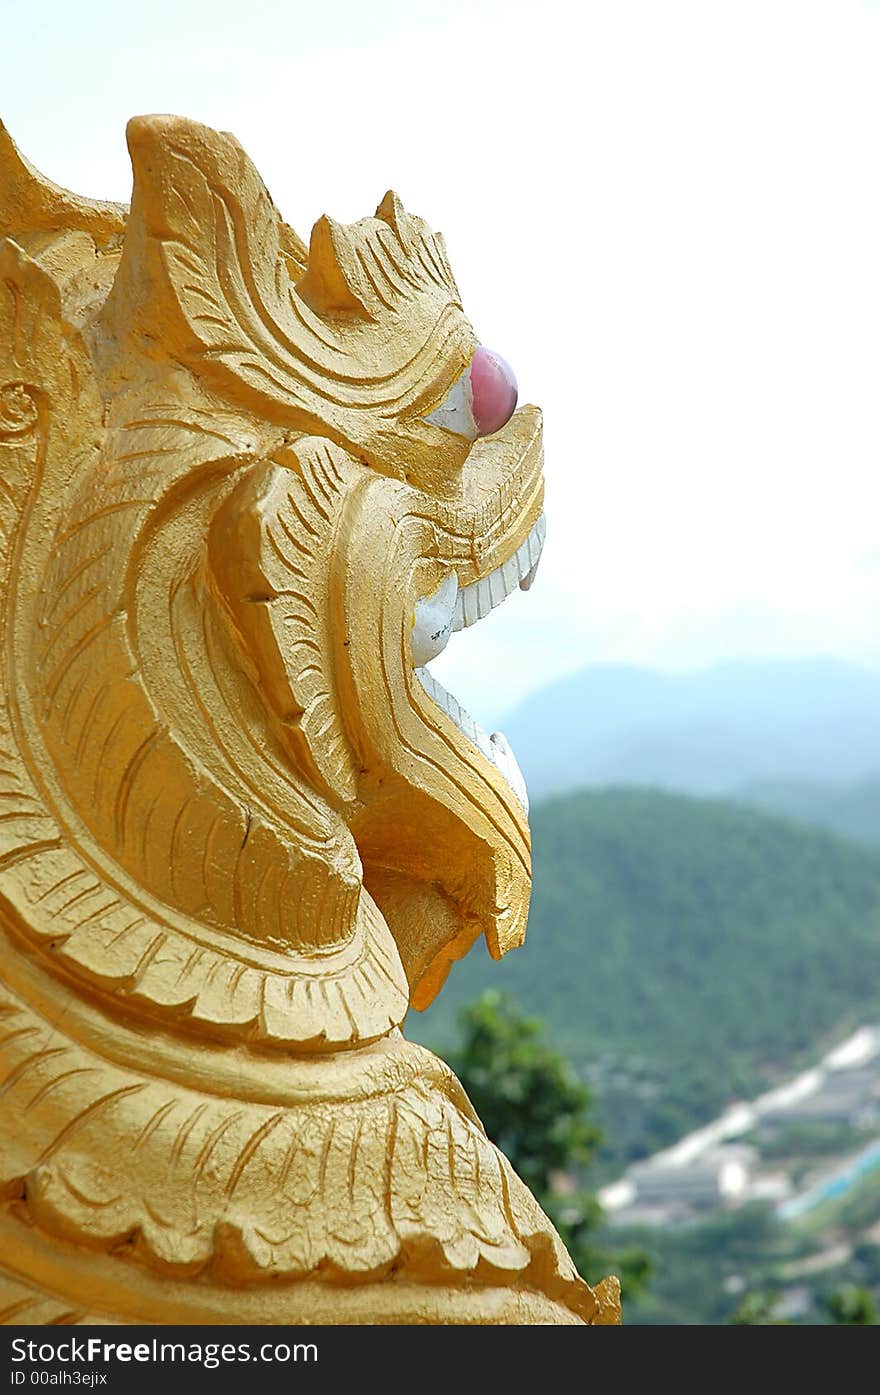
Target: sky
666,216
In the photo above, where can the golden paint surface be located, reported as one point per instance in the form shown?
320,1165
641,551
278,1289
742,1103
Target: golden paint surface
237,837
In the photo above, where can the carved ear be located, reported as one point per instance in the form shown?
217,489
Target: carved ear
392,212
30,203
207,267
333,283
419,243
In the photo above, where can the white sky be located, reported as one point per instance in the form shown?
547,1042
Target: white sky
665,215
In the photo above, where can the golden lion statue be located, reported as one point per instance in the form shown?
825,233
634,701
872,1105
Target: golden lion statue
245,495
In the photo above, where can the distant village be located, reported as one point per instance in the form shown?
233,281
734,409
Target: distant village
742,1155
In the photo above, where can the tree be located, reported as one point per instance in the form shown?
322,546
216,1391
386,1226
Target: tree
853,1307
757,1310
536,1110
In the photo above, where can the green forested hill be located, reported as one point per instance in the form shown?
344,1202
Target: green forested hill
683,951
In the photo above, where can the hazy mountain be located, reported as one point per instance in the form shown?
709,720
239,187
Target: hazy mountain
850,810
707,732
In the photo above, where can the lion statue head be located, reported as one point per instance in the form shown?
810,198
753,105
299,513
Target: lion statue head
257,486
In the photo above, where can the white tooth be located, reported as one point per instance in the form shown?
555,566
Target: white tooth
527,580
533,544
469,605
475,601
484,597
458,622
509,768
522,558
510,575
433,622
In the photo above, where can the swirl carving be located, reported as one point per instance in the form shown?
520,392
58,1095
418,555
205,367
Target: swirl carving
19,412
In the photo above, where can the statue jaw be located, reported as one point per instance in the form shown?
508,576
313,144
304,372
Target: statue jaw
341,583
440,819
451,609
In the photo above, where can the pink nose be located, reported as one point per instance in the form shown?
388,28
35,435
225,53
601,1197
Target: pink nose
494,389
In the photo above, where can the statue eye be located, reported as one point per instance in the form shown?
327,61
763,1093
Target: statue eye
481,400
493,389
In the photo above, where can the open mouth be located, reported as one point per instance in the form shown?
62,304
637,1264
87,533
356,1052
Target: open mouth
451,608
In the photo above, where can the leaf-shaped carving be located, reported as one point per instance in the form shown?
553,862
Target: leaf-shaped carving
393,1168
207,263
269,550
45,384
29,202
